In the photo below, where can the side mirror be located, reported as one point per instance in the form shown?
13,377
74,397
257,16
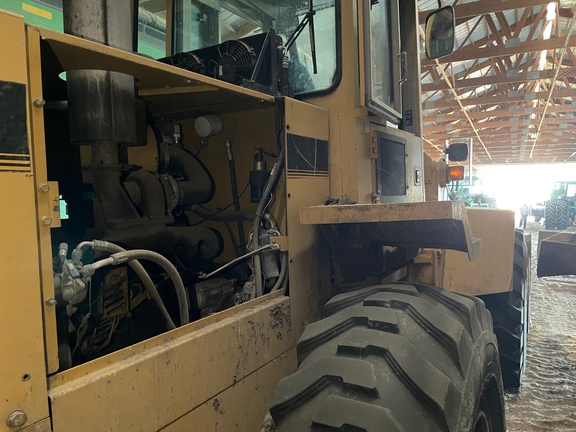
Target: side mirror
457,152
440,30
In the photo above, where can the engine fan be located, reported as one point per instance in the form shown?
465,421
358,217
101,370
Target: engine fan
188,61
231,59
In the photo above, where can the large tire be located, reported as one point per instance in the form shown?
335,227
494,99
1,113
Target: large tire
562,215
510,311
395,357
549,215
557,214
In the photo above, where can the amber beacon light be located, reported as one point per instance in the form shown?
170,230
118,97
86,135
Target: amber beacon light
456,172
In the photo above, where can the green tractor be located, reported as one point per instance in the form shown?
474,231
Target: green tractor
560,210
470,193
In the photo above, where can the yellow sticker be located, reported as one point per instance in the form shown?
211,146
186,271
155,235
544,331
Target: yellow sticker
36,11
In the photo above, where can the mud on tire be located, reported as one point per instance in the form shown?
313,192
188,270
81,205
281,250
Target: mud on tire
395,357
510,312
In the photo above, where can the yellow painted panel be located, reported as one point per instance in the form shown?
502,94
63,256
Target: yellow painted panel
15,168
77,53
46,198
345,174
492,271
22,371
2,155
309,271
12,48
366,213
151,389
242,407
306,120
15,162
42,426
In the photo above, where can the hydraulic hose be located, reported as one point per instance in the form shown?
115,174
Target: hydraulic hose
283,269
231,216
105,246
271,220
237,260
235,196
127,256
268,189
144,277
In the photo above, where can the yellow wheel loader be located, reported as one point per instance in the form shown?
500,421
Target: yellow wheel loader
218,213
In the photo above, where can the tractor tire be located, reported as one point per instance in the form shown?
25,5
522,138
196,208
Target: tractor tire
562,215
395,357
557,215
511,315
549,215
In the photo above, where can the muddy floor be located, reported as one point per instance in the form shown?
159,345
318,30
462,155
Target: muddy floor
547,398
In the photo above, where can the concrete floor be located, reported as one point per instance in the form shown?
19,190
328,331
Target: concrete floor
547,399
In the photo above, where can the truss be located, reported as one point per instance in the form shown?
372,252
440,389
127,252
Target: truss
510,85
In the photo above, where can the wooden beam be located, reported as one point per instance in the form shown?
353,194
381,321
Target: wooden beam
512,47
568,108
548,144
511,76
518,137
477,8
553,132
499,99
560,123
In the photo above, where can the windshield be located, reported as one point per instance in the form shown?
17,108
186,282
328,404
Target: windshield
381,47
202,23
564,190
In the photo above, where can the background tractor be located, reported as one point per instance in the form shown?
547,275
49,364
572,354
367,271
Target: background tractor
471,193
560,210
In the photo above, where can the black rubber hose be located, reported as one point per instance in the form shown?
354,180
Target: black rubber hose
268,190
233,216
235,196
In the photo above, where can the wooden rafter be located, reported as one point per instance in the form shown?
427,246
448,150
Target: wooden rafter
510,86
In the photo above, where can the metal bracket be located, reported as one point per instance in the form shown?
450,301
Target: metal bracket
50,211
281,241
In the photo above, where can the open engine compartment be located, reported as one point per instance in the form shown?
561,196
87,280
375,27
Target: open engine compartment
189,201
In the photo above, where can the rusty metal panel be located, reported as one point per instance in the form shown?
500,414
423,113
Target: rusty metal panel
442,225
149,385
23,373
492,271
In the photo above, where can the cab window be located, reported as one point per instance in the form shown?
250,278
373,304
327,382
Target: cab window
202,23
